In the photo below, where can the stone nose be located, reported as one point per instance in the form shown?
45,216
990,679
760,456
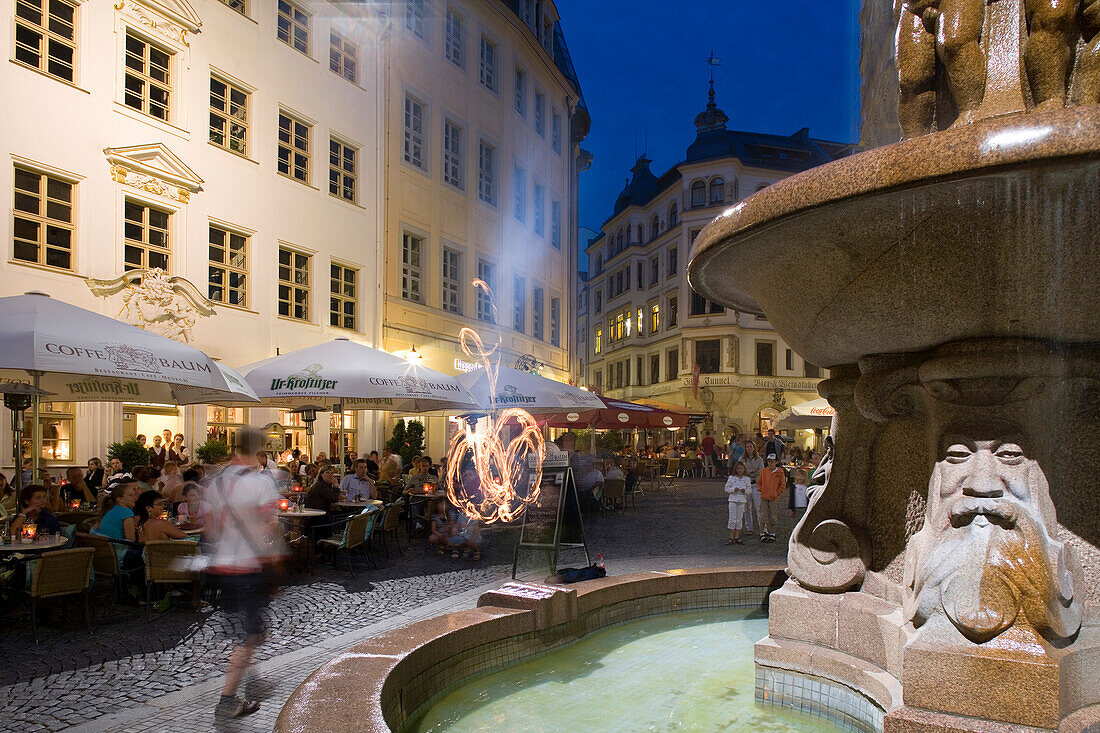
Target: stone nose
984,480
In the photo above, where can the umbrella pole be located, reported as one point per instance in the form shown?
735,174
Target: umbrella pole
340,434
36,436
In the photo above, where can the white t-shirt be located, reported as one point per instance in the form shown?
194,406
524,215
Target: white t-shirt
800,500
738,488
243,503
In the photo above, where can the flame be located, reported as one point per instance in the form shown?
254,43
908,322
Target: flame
500,466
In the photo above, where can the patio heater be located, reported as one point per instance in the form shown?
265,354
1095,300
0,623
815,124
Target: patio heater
309,415
18,396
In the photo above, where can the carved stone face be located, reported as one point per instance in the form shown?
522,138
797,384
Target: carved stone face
986,557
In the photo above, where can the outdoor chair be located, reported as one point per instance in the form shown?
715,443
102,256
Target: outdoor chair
672,471
632,489
355,532
613,494
159,557
60,574
643,471
104,563
390,521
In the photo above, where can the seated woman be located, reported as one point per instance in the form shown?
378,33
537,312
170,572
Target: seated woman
32,510
77,488
466,536
193,510
150,524
170,483
116,518
8,500
441,525
325,492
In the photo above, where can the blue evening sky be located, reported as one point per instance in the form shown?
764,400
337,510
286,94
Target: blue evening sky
785,64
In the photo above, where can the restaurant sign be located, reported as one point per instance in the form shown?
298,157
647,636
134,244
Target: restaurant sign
308,379
807,385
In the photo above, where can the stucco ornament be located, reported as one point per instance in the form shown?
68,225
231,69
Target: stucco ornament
987,557
168,306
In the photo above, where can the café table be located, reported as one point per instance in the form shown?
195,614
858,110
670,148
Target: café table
39,545
303,512
359,504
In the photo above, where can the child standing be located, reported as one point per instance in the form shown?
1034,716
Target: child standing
738,487
799,497
771,483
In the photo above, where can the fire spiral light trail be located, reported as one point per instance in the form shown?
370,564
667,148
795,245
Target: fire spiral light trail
500,466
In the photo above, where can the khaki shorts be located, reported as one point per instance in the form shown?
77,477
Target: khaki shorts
769,513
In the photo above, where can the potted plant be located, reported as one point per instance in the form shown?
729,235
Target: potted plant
212,451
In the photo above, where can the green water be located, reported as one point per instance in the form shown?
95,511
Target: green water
681,672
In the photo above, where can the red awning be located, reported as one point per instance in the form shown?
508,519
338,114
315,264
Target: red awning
616,415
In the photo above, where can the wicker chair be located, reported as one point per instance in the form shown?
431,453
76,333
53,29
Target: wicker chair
356,529
613,494
159,557
104,562
58,574
390,520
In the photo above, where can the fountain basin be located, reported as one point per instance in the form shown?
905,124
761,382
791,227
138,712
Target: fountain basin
390,682
984,231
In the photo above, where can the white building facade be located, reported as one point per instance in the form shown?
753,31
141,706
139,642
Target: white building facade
229,151
484,123
651,335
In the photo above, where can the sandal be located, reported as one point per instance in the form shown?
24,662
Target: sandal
477,556
454,554
729,542
439,552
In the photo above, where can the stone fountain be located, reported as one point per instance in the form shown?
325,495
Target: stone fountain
948,571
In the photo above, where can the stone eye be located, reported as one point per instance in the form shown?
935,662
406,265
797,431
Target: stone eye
958,453
1010,453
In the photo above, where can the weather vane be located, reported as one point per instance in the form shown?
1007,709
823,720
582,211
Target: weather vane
712,61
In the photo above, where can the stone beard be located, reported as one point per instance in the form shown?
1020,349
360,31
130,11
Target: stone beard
987,557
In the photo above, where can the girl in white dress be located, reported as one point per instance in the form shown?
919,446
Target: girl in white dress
738,488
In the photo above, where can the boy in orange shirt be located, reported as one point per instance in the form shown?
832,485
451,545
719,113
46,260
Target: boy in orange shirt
770,483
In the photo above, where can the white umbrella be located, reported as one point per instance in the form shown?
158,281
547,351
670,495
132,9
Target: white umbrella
359,376
82,356
531,392
813,414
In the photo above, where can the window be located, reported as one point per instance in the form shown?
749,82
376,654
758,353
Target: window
654,318
654,226
293,284
789,361
698,304
597,306
55,421
597,341
654,270
45,36
619,330
698,194
597,381
641,276
452,154
673,363
351,432
412,248
537,305
519,193
555,224
451,276
519,303
148,82
342,172
343,57
555,321
708,355
228,116
813,371
673,311
555,131
638,371
484,300
454,47
414,18
715,307
540,114
673,216
540,210
487,70
521,92
146,243
717,190
293,158
224,424
486,173
294,430
241,6
342,296
44,221
293,26
673,260
414,132
228,270
654,368
765,358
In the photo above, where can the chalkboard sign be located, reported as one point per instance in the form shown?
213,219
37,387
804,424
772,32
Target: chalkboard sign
554,521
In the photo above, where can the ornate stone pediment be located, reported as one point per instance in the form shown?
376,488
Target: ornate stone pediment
154,168
165,305
173,19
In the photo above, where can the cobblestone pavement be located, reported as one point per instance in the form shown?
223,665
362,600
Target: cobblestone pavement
128,671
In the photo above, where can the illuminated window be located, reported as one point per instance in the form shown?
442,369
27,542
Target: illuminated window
293,26
148,82
597,341
342,170
654,318
228,116
342,297
228,268
293,149
43,222
411,250
454,49
414,132
294,285
619,327
55,421
146,242
224,424
351,431
343,57
45,36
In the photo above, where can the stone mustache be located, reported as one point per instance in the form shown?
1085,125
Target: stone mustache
987,558
963,60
